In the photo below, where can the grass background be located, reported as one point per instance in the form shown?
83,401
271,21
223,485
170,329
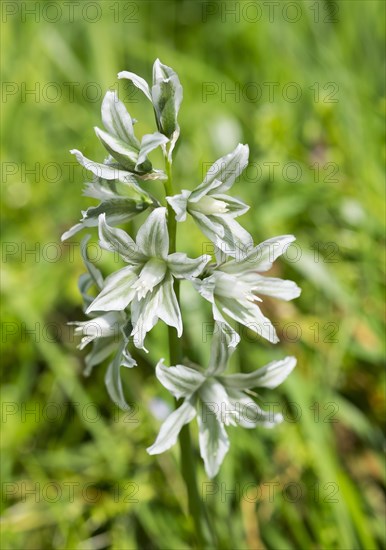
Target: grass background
75,473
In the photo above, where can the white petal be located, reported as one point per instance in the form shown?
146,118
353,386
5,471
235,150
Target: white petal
204,189
277,288
149,143
117,240
235,207
172,426
101,350
215,397
144,316
231,286
228,331
248,314
153,272
168,308
221,350
138,81
122,152
181,381
94,272
226,169
236,240
117,291
225,232
179,203
101,189
269,376
113,378
161,71
105,171
261,257
208,205
162,304
98,327
209,226
183,267
250,414
117,120
72,231
153,238
213,440
206,288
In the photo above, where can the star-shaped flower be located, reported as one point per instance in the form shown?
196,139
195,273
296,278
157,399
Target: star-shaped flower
217,400
233,288
147,281
212,209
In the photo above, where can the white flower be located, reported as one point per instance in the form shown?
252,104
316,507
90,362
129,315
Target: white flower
147,281
233,288
217,400
214,211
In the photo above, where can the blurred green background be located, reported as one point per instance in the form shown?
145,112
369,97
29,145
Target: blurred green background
303,84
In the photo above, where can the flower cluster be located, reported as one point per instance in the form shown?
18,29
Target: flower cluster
130,301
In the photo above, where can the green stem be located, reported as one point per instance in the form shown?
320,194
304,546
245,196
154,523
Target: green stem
188,462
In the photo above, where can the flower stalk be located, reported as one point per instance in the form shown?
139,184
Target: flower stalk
188,461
